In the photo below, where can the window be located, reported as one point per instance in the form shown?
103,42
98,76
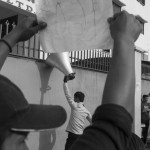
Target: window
142,2
29,49
117,6
7,24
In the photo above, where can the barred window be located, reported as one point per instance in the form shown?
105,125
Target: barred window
7,24
29,49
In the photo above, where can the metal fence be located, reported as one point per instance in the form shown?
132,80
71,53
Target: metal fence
88,59
30,49
91,59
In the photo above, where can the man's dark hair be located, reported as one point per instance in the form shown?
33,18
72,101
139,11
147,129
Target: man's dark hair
79,95
145,96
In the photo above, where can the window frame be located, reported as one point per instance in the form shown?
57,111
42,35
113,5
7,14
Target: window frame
117,3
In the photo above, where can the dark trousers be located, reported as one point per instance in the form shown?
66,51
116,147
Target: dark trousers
70,140
145,132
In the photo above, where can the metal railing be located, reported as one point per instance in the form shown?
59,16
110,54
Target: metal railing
88,59
30,49
96,59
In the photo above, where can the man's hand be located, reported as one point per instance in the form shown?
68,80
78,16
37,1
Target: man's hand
125,25
69,77
27,28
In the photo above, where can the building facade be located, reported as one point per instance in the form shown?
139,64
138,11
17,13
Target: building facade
140,8
25,66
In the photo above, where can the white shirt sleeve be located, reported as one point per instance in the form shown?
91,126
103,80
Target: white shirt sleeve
69,97
89,117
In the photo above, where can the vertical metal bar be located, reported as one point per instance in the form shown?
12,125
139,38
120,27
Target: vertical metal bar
87,62
98,61
78,58
34,46
81,58
13,26
39,48
29,48
75,58
90,59
102,61
109,59
95,59
107,62
84,58
71,57
7,26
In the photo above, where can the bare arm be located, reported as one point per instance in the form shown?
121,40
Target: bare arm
120,83
69,97
24,31
89,118
111,122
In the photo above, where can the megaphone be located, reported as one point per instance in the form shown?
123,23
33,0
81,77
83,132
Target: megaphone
60,61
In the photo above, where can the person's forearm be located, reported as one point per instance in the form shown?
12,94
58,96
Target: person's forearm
12,39
67,94
120,82
22,32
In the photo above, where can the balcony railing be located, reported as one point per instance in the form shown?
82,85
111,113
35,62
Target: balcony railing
91,59
97,59
30,49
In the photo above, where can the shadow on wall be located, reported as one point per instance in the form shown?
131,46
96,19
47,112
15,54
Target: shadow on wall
45,72
47,139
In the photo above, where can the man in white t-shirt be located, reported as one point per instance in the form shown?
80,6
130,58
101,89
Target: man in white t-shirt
78,114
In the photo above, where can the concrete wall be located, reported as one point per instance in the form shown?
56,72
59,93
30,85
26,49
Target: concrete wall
43,85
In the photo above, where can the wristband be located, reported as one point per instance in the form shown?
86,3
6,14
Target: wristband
10,49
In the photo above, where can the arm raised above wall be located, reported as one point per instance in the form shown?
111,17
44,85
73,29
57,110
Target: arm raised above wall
24,31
